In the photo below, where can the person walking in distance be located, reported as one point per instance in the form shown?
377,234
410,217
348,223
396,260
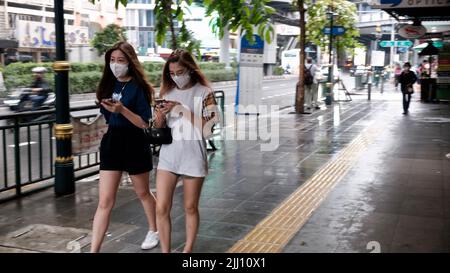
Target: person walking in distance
311,86
190,110
407,79
124,95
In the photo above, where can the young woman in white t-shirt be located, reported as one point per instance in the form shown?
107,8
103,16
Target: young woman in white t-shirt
190,110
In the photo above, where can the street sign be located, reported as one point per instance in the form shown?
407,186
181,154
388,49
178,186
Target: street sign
404,43
337,30
250,75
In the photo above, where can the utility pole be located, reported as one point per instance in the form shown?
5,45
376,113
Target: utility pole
64,173
300,91
328,97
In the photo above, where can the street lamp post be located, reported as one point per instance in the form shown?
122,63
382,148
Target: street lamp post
328,95
64,171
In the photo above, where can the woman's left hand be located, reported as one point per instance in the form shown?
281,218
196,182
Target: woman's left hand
168,106
112,106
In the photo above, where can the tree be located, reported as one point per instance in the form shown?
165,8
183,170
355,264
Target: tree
345,16
166,17
300,90
106,38
235,14
247,15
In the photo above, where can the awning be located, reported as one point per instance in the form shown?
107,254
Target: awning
8,43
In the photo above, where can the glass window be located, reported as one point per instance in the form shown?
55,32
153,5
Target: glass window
151,39
141,17
150,21
141,39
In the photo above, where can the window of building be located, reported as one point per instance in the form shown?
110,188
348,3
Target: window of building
151,39
150,18
142,17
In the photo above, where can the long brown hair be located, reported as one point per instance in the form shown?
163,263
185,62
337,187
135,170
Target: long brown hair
135,71
185,59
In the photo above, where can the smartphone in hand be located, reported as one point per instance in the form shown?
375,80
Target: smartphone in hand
160,102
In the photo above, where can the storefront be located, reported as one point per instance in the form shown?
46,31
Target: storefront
432,42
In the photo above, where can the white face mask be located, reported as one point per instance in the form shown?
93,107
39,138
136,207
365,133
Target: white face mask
182,80
119,70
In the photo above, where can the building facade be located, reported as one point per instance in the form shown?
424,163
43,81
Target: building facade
31,24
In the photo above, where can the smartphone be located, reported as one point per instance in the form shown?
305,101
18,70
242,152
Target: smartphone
160,102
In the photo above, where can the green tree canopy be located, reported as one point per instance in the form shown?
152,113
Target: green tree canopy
106,38
246,15
345,16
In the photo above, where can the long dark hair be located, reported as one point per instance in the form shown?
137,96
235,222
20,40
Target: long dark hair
135,71
185,59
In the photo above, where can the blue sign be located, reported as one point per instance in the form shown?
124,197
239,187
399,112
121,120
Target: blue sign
337,30
256,48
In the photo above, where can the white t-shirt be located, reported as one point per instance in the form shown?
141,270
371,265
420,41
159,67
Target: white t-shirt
187,154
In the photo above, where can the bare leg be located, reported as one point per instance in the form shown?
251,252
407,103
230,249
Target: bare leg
108,185
192,189
165,187
142,189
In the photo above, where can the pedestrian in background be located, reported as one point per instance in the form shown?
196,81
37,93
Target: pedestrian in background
397,72
311,85
407,79
189,107
125,96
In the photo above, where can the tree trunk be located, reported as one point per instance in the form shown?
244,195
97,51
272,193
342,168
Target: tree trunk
300,92
172,27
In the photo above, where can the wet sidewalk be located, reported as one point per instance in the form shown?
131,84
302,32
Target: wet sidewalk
392,194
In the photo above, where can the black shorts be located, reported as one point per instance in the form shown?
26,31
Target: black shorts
125,149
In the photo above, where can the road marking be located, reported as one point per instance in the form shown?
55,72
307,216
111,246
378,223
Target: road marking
22,144
277,229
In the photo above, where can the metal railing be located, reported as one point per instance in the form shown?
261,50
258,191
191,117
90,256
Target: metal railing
28,151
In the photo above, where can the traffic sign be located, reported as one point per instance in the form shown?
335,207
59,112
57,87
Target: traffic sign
405,43
337,30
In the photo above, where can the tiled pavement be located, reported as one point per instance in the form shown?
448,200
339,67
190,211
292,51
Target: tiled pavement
397,195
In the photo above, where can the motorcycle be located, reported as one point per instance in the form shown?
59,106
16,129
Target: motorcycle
20,100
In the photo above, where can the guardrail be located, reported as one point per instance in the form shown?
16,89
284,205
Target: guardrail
28,150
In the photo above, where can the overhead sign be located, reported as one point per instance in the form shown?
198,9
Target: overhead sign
250,75
405,43
337,30
402,4
411,31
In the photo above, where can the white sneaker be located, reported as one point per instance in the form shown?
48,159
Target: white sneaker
151,240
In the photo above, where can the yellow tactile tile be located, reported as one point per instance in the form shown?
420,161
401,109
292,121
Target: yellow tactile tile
275,231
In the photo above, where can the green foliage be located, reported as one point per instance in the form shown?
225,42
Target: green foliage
211,66
86,67
85,77
84,82
236,14
278,71
167,12
16,69
317,20
220,75
106,38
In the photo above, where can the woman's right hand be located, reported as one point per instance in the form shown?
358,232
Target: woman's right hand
160,118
